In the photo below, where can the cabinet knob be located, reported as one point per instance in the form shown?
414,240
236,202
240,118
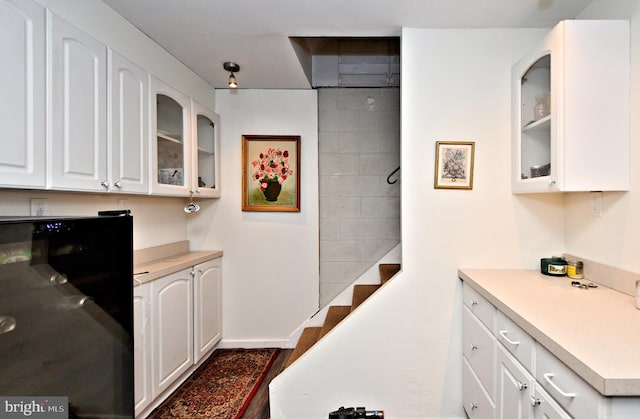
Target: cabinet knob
118,184
7,324
105,184
522,386
474,347
535,402
474,303
473,406
552,182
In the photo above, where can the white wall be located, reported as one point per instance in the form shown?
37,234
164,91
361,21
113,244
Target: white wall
270,264
614,238
403,351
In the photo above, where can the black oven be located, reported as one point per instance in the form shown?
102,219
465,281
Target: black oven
66,314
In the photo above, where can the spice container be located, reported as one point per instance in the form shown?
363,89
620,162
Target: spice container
638,295
553,266
575,269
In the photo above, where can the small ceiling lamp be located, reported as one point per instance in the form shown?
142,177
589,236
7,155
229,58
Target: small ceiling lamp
232,68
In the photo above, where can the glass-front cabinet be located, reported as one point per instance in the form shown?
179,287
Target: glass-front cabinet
206,167
171,141
570,119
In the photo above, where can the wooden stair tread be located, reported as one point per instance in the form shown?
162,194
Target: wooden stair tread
308,338
335,314
360,293
387,271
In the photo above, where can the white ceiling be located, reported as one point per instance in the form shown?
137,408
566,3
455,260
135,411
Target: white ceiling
255,33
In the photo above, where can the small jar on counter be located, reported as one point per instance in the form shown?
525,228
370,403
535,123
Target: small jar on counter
575,269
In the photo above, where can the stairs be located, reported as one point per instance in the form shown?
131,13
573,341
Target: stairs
335,314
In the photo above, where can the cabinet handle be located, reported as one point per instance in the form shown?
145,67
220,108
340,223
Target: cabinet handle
7,324
474,347
522,386
118,184
548,376
503,333
535,402
105,184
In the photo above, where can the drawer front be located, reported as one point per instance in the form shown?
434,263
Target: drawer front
479,348
577,397
515,340
545,407
479,306
476,401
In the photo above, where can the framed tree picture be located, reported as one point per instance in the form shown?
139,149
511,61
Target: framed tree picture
454,165
271,173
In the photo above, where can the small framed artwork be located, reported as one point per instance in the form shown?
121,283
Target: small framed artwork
454,165
271,173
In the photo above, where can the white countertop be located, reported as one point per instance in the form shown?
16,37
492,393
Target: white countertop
596,332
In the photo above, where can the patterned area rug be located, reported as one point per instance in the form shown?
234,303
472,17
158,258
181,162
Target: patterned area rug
221,388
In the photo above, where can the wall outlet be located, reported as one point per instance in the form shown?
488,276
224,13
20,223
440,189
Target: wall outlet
596,204
39,206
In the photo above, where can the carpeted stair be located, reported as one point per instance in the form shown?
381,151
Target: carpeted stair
335,314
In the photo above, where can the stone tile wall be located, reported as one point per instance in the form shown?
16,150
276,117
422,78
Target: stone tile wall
359,146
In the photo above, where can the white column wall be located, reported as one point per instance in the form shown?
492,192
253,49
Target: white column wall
402,352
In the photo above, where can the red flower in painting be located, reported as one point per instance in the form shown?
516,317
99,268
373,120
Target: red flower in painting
272,166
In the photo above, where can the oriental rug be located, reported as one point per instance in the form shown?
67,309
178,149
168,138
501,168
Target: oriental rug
221,388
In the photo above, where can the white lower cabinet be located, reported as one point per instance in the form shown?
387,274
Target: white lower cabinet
177,322
523,380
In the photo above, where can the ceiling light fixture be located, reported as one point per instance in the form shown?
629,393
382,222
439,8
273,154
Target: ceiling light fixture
232,68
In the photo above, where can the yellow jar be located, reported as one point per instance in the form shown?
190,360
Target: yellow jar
575,269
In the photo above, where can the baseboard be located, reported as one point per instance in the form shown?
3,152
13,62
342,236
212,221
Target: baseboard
253,343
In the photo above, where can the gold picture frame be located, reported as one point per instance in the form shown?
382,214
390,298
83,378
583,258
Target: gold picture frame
454,165
271,173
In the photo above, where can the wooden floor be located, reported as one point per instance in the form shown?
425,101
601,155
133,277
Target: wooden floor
259,406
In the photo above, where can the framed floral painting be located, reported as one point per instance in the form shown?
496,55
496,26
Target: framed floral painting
454,165
271,173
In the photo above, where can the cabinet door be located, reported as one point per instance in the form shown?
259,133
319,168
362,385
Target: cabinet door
129,142
206,156
514,388
141,347
207,307
22,83
170,141
172,328
77,152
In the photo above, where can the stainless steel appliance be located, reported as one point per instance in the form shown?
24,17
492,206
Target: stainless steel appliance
66,314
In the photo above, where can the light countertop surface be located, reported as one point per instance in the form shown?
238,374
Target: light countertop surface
156,262
596,332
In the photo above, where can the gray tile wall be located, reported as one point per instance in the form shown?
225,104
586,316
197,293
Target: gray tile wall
359,143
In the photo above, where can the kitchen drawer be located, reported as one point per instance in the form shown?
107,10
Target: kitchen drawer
479,306
515,340
479,348
476,401
577,397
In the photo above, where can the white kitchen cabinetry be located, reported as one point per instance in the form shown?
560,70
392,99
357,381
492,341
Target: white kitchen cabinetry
171,141
128,121
206,157
142,346
172,328
22,83
177,323
77,146
207,318
570,95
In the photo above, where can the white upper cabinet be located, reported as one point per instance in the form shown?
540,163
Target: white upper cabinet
22,83
206,163
77,146
129,140
570,95
171,162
